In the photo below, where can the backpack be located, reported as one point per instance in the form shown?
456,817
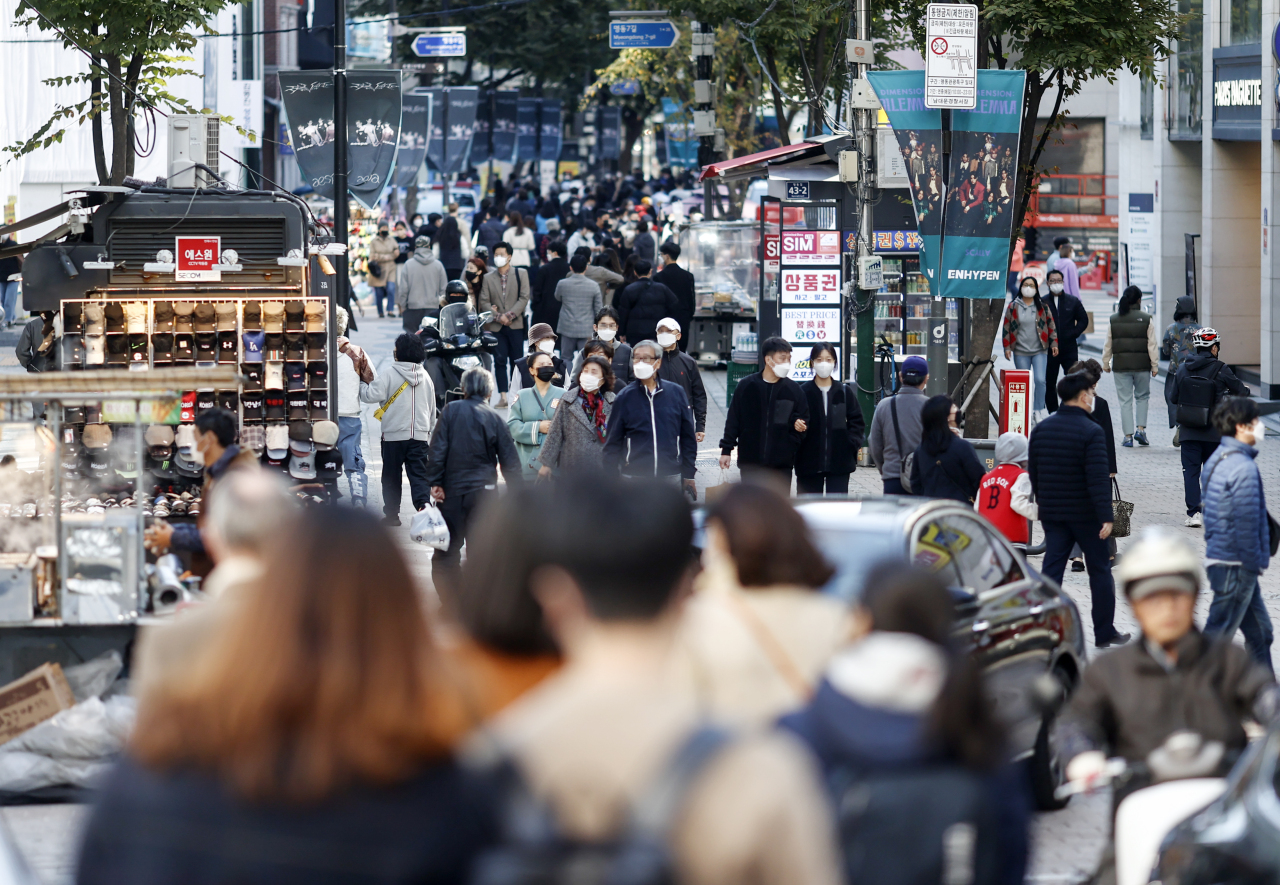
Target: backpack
931,826
532,851
1197,395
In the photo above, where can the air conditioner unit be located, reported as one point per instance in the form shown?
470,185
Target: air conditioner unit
193,138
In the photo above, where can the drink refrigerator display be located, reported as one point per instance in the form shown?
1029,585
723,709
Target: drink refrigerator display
903,305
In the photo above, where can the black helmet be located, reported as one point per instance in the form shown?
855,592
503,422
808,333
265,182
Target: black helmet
456,291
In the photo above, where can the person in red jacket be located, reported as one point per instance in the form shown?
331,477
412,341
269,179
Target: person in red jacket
1004,495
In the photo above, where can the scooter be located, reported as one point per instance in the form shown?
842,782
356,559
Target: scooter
454,343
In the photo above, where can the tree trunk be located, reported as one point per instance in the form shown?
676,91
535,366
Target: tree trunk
119,130
632,129
99,147
984,325
779,109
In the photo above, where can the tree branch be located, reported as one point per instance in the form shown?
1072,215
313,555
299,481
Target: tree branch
784,122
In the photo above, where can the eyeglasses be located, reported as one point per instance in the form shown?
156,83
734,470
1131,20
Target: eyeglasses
646,359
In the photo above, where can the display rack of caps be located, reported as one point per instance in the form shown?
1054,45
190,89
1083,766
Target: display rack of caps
307,453
99,464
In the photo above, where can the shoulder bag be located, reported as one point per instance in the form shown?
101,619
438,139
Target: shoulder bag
908,459
1120,522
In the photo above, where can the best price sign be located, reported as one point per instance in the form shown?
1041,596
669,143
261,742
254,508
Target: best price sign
811,247
197,259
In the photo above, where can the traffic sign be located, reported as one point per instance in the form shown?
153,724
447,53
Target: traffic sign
625,87
440,43
951,62
642,34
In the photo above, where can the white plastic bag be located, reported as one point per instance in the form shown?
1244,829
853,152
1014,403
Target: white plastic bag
428,528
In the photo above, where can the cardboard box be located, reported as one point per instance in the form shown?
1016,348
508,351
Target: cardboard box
26,702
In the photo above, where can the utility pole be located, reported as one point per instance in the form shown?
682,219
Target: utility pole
864,301
340,152
704,115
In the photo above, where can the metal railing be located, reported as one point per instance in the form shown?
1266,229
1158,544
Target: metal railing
1073,195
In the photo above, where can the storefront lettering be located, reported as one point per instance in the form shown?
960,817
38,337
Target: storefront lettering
1237,93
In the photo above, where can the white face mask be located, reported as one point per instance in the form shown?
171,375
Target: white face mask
606,334
1028,292
588,381
666,339
782,370
500,260
546,345
643,371
1055,288
1259,432
824,368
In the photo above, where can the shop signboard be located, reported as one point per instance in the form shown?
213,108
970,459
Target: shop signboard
810,324
771,262
197,259
819,285
1237,93
801,367
810,247
1141,241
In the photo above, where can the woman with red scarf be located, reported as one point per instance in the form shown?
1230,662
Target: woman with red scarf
576,438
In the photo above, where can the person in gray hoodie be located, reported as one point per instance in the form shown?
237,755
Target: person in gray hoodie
423,287
407,409
579,299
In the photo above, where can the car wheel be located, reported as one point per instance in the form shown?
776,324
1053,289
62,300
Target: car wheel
1048,772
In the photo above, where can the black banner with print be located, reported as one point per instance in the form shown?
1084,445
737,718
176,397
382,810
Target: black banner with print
414,122
452,108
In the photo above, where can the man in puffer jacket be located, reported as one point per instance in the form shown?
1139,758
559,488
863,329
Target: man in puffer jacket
407,409
1236,536
423,289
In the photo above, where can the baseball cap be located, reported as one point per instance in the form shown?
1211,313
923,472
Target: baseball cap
182,316
226,311
206,317
295,346
115,317
229,400
315,316
324,434
300,430
294,316
303,466
274,376
186,437
915,365
253,342
227,348
274,405
319,405
162,346
299,406
328,465
138,347
253,437
94,319
277,440
184,348
252,315
73,319
96,436
124,453
188,412
95,351
273,316
273,346
316,342
318,374
117,350
206,401
252,406
135,317
72,349
252,376
163,311
206,346
668,323
296,376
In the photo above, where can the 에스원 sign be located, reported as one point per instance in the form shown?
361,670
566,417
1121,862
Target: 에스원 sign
197,259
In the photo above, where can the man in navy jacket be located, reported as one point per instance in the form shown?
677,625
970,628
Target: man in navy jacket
1070,319
651,429
1070,478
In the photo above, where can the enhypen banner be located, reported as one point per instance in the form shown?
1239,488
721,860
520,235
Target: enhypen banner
373,129
415,121
453,118
918,130
527,129
496,116
984,171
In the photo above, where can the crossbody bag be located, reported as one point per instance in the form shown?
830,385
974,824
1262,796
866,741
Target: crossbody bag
382,410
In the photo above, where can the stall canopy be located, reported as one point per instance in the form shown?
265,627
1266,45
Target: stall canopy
804,153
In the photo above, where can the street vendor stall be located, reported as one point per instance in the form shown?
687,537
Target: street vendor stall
724,258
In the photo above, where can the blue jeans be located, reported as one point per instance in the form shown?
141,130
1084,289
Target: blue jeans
385,293
1038,363
350,430
1059,538
1237,605
10,301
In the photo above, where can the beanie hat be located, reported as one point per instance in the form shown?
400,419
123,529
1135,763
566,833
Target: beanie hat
1011,448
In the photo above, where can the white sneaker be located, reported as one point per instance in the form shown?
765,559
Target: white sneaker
1195,521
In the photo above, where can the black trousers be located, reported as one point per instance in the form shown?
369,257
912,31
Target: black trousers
458,511
411,455
1195,453
823,484
1051,369
1059,538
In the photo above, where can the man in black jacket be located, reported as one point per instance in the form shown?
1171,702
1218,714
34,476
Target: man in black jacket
1199,439
679,281
1070,319
651,427
683,370
642,304
767,417
469,442
542,301
1071,482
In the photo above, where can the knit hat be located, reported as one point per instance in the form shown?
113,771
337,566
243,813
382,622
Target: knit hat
1011,448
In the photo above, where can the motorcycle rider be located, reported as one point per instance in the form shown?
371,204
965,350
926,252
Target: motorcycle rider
1132,699
439,362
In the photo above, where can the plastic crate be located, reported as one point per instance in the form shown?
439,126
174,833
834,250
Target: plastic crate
737,371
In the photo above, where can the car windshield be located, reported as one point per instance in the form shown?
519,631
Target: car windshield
854,553
453,319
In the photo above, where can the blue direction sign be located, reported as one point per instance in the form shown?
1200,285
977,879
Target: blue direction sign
440,45
625,87
633,34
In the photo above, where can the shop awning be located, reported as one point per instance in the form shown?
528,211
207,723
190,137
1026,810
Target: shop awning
751,165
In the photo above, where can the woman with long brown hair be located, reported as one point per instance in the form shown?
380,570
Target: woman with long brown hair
311,739
521,239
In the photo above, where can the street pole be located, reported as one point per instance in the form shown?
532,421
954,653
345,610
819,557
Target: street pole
340,205
937,350
444,150
704,48
866,315
493,118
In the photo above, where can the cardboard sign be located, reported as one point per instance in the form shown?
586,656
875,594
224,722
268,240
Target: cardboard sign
809,324
810,246
37,696
197,258
810,286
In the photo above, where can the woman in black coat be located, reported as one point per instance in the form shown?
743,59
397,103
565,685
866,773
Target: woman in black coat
828,451
946,466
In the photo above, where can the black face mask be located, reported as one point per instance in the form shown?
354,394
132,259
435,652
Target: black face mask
546,373
472,274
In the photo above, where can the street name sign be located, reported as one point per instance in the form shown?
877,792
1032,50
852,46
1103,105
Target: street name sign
951,56
442,43
642,34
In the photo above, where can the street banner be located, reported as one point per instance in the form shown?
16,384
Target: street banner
308,107
918,131
678,132
984,170
496,112
552,129
526,129
374,106
453,109
484,125
609,137
415,122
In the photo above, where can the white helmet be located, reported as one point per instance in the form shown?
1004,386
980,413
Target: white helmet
1159,560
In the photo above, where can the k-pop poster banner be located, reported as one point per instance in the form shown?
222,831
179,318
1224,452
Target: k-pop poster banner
373,129
919,133
496,115
984,173
415,122
454,107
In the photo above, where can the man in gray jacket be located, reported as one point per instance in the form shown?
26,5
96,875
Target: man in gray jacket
579,299
407,409
896,428
424,282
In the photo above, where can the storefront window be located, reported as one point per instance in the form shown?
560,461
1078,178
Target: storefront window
1242,22
1186,74
1147,110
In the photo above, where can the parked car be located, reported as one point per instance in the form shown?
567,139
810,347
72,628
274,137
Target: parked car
1236,838
1018,624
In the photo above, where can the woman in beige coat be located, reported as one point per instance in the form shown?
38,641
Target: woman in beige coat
383,252
758,632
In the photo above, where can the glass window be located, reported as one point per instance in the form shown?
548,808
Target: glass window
854,553
934,549
965,554
1147,110
1186,73
1242,22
